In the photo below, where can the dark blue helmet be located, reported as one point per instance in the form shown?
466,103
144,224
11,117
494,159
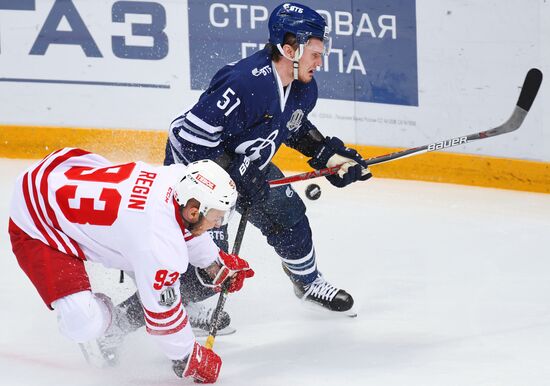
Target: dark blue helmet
299,20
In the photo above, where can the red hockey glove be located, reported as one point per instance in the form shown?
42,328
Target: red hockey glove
203,365
234,267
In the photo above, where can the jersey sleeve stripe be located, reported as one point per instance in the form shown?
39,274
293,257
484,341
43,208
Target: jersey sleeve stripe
31,200
163,315
196,140
202,124
39,178
30,207
40,210
152,323
77,251
175,147
187,126
170,331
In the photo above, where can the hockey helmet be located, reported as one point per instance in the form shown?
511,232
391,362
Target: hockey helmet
208,183
299,20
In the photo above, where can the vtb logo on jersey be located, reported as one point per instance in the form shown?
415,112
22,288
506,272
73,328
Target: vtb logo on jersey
293,8
265,70
295,120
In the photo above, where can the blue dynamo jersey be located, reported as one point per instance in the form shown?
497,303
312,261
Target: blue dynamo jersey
245,110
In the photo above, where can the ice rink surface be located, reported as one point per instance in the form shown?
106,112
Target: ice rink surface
452,287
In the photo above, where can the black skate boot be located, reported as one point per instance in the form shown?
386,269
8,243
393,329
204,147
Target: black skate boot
324,294
200,316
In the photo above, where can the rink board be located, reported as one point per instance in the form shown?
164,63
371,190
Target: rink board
123,145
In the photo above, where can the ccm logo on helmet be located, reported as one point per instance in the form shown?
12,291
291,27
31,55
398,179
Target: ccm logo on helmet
293,8
205,181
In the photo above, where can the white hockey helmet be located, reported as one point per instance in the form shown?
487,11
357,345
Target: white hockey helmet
208,183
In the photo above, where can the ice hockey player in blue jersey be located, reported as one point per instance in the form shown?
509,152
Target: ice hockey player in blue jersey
250,108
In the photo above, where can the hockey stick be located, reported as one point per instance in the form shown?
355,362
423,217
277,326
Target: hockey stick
225,287
526,98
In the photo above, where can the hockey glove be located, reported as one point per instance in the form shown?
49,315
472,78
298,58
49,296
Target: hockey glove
203,365
251,182
235,268
332,153
226,266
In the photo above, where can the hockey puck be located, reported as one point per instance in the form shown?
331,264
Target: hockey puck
313,191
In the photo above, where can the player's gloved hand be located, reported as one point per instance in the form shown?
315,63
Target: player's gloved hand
234,268
227,267
332,153
203,365
251,182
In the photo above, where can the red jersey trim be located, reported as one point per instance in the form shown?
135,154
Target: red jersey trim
167,324
168,332
163,315
44,192
38,207
34,208
34,215
177,214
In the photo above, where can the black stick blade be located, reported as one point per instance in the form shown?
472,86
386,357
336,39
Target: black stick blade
531,85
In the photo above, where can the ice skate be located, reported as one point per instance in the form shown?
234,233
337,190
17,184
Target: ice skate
200,316
104,351
321,293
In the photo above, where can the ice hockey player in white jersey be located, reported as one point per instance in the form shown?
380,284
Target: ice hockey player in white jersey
147,220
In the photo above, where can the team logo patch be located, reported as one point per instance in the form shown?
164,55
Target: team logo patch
295,120
258,148
168,297
205,181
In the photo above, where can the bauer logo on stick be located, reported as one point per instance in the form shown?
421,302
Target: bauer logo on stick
448,143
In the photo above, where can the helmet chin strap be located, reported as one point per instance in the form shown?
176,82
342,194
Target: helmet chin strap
295,61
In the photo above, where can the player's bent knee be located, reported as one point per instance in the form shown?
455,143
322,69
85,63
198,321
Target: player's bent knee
82,316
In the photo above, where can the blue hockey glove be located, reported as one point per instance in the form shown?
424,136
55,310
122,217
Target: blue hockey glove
332,153
251,182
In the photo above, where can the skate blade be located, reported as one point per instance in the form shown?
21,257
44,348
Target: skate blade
199,332
351,313
93,355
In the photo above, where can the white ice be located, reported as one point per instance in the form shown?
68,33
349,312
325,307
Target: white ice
452,287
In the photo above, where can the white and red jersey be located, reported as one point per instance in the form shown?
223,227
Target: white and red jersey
124,217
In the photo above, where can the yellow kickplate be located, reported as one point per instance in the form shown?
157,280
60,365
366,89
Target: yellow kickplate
149,145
